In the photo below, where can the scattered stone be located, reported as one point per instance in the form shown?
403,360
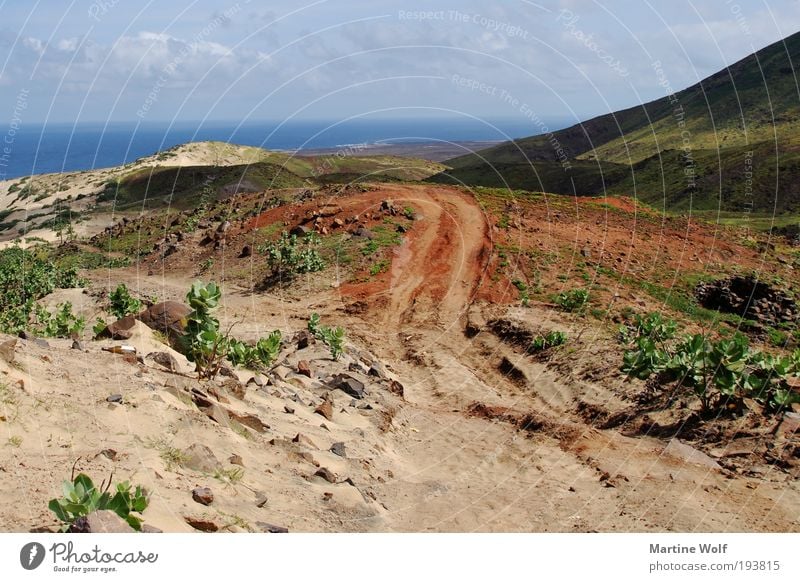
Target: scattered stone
42,343
396,387
689,454
121,329
8,350
165,360
234,387
250,421
362,232
303,439
269,528
326,474
288,409
379,370
202,523
348,385
203,495
103,521
236,460
257,380
357,367
304,339
168,317
199,457
247,251
116,398
110,454
326,408
150,529
77,345
299,231
749,298
281,372
304,368
261,500
216,394
339,449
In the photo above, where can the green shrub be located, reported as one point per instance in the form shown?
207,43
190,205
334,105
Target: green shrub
62,323
719,372
550,340
202,342
263,354
82,497
25,277
122,303
331,337
522,287
574,300
290,256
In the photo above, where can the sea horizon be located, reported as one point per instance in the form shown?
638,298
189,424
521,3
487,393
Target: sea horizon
56,147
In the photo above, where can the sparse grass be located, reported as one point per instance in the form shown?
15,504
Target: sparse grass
15,441
231,476
172,456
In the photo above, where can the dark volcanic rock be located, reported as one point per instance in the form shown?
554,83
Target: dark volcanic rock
749,298
348,385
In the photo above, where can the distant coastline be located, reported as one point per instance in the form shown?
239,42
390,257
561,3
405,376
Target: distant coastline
58,148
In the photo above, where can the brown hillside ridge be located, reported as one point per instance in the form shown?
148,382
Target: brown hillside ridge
438,416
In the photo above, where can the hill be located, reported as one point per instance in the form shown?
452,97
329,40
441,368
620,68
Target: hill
687,149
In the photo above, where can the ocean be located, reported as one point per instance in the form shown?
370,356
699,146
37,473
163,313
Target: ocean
38,149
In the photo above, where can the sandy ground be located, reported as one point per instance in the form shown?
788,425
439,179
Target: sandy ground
449,455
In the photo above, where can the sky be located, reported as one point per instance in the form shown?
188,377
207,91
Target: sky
186,60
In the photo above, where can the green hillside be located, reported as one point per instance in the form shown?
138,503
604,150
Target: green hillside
695,147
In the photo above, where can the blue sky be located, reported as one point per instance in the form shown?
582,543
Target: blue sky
245,60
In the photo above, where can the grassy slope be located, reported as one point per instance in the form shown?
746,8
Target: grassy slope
752,105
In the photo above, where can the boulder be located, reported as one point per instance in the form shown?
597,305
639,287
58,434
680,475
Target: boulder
122,329
348,385
167,317
203,495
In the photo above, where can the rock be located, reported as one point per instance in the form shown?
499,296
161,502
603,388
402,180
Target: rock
250,421
362,232
388,206
396,387
42,343
304,339
117,398
348,385
689,454
379,370
165,360
304,368
357,367
77,345
256,380
586,253
269,528
103,521
282,372
261,500
8,350
202,523
150,529
288,409
325,409
300,438
234,387
339,449
236,460
110,454
203,495
168,317
199,457
326,474
789,425
247,251
299,231
121,329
